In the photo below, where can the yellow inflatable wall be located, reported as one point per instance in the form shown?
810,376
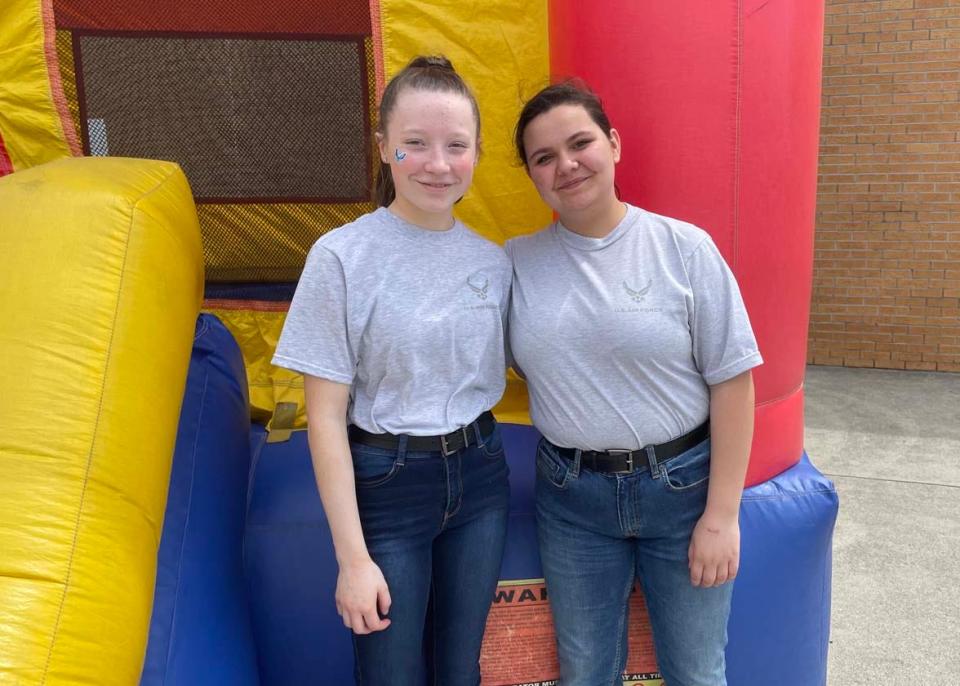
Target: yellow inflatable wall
35,124
102,282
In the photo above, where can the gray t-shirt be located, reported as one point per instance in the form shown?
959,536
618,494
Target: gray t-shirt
620,336
413,319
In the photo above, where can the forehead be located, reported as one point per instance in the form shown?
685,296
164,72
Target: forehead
556,125
422,108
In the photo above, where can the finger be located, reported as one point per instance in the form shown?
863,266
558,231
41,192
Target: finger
709,577
357,624
384,601
696,573
373,622
732,569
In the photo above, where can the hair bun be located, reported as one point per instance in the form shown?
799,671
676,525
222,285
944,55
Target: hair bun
427,61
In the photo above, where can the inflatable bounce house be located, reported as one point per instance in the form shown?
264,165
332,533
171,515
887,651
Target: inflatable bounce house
159,522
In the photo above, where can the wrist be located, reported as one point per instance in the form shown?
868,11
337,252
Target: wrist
353,558
721,515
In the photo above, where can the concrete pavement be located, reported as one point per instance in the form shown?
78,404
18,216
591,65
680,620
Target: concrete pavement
890,440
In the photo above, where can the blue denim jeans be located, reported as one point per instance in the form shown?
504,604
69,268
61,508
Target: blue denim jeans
436,526
597,533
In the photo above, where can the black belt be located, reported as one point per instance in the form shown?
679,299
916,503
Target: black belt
627,461
448,444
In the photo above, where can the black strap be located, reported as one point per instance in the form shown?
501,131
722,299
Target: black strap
627,461
447,444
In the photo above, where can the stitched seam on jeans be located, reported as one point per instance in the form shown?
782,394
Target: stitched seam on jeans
623,529
358,673
625,604
435,651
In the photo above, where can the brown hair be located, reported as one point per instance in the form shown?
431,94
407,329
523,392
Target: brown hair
432,73
570,92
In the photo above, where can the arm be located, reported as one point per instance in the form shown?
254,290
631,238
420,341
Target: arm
361,588
715,545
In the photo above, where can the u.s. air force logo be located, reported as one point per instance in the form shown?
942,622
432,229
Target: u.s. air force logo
637,294
637,297
479,284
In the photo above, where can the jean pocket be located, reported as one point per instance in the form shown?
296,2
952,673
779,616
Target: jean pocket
689,469
373,466
551,466
492,444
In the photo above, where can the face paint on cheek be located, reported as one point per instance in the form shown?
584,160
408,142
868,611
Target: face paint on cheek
399,156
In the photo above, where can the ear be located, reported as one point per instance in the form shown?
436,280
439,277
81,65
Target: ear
381,146
615,144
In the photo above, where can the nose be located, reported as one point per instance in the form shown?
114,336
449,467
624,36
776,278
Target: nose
568,164
437,162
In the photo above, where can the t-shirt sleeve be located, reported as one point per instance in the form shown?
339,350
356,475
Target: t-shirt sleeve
723,341
315,337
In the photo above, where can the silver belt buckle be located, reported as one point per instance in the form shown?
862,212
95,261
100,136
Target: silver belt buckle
445,449
629,454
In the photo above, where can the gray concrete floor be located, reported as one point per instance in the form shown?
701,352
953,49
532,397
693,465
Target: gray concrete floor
890,440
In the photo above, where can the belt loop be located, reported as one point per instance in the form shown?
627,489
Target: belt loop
478,437
401,449
575,467
652,461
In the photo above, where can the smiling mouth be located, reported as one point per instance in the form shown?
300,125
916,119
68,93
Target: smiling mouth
570,185
435,186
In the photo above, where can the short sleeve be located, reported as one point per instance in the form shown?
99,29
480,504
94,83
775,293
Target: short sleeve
723,341
315,338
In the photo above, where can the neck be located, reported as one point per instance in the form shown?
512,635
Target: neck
595,222
430,221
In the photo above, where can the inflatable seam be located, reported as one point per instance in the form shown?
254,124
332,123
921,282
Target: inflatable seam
90,454
256,449
202,328
186,520
376,29
783,396
53,74
788,494
738,110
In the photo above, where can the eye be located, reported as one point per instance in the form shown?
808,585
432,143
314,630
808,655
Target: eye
413,142
459,145
581,143
541,160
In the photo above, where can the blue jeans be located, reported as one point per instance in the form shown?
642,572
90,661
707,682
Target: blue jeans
436,526
597,533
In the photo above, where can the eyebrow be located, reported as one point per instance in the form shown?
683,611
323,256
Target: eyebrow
415,131
569,139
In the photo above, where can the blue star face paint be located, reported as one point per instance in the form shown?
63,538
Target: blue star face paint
400,156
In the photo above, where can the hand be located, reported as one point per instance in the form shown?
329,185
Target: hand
714,552
361,591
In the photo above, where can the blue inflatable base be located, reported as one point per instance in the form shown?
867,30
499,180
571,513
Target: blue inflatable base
779,626
200,629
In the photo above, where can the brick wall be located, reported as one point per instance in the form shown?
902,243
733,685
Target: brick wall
886,280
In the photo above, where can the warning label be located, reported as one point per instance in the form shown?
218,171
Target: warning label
519,647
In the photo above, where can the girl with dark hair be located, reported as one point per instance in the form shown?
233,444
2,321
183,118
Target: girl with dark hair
637,350
397,325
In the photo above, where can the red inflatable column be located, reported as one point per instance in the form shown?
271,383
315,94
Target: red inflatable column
718,106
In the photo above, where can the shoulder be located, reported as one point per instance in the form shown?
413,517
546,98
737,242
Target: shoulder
348,237
484,250
687,237
475,241
529,244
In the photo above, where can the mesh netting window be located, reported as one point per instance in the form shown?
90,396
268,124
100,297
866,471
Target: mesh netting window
250,119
